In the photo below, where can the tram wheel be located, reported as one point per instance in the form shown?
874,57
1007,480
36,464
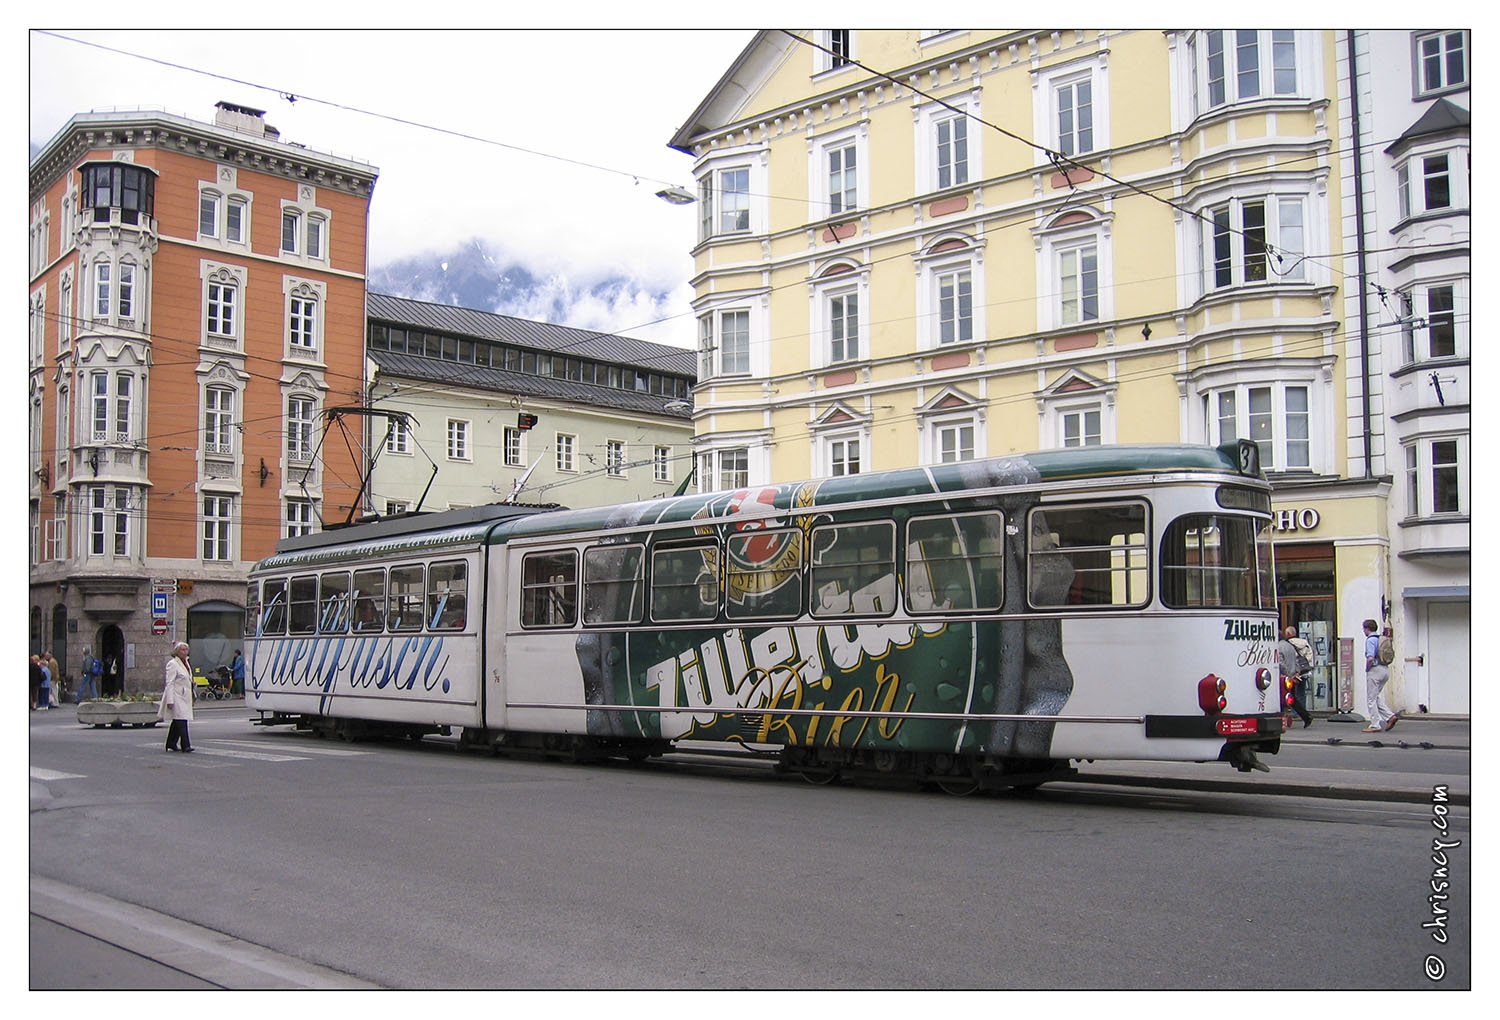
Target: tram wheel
957,787
821,778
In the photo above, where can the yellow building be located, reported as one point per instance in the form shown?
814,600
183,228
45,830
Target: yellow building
925,246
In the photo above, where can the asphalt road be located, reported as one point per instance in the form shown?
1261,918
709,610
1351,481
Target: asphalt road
413,866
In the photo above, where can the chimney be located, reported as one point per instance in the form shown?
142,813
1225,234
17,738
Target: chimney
244,119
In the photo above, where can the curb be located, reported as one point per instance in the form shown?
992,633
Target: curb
1272,788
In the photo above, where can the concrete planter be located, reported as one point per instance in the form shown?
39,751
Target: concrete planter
100,714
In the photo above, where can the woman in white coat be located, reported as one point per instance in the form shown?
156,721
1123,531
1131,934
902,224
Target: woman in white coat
177,699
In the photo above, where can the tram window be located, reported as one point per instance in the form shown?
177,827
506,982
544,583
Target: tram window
302,607
403,607
613,585
252,609
369,600
854,569
273,607
549,589
333,603
448,595
763,574
1216,560
685,582
1083,556
955,562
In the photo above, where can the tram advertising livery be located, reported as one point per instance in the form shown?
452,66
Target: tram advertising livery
974,624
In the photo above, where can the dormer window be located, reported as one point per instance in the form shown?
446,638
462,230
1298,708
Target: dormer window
119,186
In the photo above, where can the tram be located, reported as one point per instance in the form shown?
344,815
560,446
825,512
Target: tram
977,624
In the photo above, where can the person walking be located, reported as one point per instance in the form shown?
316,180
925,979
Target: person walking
237,673
44,690
88,684
177,699
1295,664
1376,674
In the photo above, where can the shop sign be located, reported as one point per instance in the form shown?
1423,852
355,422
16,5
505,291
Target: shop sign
1295,519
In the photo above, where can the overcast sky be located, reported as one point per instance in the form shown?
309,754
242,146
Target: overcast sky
608,98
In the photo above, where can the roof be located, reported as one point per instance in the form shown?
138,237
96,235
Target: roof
541,336
412,366
1441,118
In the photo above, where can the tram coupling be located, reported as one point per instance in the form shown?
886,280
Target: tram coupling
1242,757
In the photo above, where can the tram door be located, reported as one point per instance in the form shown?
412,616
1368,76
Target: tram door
1305,595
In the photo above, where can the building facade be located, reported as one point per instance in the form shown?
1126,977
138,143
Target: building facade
919,247
1410,233
491,407
196,301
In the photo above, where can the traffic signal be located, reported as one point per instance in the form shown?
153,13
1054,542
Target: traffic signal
525,421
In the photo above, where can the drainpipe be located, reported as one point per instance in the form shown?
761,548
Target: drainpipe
1359,251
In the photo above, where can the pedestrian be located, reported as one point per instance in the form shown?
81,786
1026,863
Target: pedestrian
237,673
1376,674
1295,664
177,699
44,690
111,677
36,679
88,685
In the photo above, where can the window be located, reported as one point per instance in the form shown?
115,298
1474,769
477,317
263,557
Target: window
315,229
122,522
955,562
122,187
1078,271
955,306
843,457
398,436
661,464
549,589
333,603
65,312
299,517
853,569
97,519
725,469
513,447
273,607
1277,418
236,213
300,414
1075,116
103,279
952,151
1437,476
369,600
448,595
763,574
217,512
834,49
1427,184
1217,560
725,195
564,447
127,290
1442,61
124,431
208,214
302,605
614,458
1088,556
218,421
396,506
1081,427
728,353
685,582
99,383
405,597
302,321
1248,64
291,229
1255,240
458,439
614,584
843,327
222,298
955,441
843,178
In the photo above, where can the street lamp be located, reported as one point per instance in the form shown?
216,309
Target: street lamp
676,195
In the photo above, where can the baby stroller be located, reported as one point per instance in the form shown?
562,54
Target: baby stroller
212,687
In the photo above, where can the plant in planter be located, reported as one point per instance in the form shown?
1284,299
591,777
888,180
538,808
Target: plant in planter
127,710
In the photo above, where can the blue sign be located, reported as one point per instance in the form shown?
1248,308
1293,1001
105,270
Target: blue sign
158,603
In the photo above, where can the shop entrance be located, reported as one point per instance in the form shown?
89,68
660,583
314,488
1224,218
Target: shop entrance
1305,596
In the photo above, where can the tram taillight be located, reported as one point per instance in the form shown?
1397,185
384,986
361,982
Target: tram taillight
1263,678
1286,690
1211,694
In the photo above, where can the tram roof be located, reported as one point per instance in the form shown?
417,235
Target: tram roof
1074,464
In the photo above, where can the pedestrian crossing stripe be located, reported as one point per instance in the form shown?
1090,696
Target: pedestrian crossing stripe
46,775
333,751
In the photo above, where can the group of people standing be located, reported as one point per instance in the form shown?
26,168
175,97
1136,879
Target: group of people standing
43,673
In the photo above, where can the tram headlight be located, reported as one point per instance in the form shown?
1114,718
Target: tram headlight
1211,694
1263,678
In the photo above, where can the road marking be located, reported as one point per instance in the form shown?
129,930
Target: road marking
250,755
336,752
47,774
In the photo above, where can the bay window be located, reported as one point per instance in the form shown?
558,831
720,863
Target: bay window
1276,417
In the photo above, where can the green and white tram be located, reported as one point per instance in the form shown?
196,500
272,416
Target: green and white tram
974,624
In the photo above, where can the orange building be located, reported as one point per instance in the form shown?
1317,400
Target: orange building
197,296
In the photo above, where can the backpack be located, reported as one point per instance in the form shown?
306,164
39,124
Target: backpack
1304,664
1385,652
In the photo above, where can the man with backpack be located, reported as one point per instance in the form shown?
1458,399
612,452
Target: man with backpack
1379,653
1296,663
88,684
